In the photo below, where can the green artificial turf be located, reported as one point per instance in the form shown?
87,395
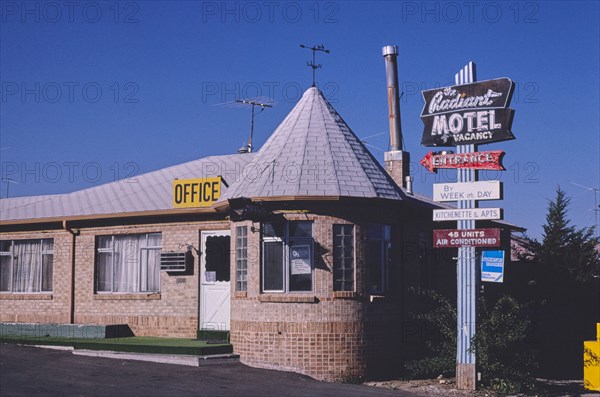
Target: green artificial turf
134,344
212,335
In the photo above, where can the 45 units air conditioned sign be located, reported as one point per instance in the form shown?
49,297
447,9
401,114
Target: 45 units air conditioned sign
468,114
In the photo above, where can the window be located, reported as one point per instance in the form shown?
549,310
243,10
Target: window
26,265
128,263
217,254
343,257
287,250
241,258
378,257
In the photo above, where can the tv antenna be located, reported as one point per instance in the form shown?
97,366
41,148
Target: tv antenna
8,182
596,208
314,64
248,148
367,143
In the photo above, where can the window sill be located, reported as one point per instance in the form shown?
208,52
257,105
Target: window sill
376,298
120,297
22,297
240,294
288,298
345,294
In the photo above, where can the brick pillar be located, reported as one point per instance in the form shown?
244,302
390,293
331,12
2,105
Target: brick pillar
397,165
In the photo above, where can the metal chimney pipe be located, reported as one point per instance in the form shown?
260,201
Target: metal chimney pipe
390,53
408,184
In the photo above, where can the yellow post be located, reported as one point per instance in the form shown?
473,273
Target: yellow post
591,362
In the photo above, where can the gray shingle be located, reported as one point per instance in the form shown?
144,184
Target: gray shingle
313,152
150,192
331,159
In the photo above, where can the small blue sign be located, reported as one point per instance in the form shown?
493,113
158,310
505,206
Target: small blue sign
492,266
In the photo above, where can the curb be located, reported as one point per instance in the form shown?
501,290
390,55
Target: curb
52,347
191,361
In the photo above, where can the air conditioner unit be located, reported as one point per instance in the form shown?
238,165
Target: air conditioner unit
172,261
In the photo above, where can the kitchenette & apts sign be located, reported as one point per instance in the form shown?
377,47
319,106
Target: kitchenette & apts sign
468,114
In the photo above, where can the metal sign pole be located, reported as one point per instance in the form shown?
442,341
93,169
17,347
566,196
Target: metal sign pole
466,115
466,272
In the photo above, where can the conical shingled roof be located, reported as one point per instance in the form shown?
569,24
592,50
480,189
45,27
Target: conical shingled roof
313,153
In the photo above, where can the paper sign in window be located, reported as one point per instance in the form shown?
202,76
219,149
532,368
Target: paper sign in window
300,259
210,277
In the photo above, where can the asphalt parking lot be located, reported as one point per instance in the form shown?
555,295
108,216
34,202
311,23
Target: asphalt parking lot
30,371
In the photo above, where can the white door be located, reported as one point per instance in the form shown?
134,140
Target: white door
214,281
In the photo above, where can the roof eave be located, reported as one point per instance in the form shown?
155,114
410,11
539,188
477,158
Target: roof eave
136,214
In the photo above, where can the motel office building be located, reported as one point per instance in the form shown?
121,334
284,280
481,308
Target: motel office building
306,257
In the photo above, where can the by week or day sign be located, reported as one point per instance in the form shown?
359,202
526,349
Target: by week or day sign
197,192
483,190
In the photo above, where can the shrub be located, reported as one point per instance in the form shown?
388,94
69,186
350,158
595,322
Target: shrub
504,357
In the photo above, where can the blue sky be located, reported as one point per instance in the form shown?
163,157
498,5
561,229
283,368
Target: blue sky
93,91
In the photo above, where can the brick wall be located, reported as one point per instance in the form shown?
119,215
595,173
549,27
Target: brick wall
324,334
334,336
46,307
172,312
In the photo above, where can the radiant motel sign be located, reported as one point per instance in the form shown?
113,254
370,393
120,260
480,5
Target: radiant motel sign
468,114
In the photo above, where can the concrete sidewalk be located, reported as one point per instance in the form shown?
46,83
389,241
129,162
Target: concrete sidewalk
178,359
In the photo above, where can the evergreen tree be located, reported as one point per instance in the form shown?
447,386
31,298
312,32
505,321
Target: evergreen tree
566,250
566,290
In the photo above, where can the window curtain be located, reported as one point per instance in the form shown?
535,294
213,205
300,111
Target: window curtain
27,266
105,272
127,251
150,270
132,265
47,264
151,280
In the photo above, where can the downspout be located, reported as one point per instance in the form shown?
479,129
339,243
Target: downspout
74,233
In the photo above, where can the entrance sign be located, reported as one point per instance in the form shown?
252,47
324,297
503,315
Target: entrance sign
452,238
483,190
198,192
492,266
490,160
468,114
479,214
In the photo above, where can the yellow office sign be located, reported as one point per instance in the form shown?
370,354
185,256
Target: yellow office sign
197,192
